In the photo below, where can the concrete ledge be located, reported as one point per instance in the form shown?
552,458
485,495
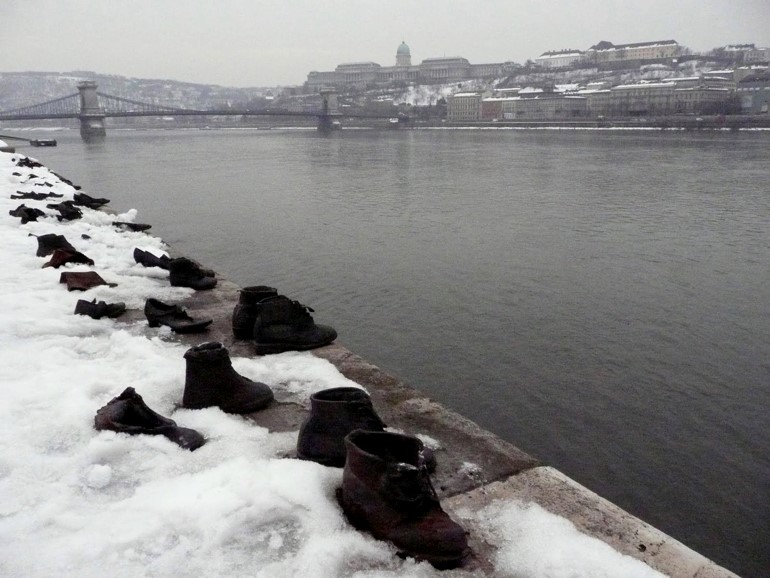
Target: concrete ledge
592,515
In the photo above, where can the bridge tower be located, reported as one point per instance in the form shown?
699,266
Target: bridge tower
330,110
91,114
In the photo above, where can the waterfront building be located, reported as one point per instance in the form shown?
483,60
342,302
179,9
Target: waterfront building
429,71
464,106
559,58
544,106
534,105
673,96
608,53
753,91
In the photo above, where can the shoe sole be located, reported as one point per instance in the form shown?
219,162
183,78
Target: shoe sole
268,348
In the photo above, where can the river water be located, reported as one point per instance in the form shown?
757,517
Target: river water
598,298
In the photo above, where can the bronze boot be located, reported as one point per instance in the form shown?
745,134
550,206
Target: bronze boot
211,380
334,413
245,311
386,490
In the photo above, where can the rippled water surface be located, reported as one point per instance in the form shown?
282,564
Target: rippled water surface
600,299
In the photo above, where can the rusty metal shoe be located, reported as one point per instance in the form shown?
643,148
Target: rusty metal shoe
128,413
88,201
210,380
173,316
286,325
67,210
147,259
134,227
47,244
334,413
82,281
184,272
63,256
26,214
98,309
386,490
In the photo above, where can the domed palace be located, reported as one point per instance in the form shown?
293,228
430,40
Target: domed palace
403,56
430,71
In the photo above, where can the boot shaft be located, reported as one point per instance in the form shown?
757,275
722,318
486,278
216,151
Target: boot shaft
256,293
387,491
334,413
349,407
210,357
210,380
245,311
370,453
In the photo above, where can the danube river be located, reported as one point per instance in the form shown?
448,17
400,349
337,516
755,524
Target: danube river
601,299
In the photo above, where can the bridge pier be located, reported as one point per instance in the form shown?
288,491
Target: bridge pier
91,116
328,120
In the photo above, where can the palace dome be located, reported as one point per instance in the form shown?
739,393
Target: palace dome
403,49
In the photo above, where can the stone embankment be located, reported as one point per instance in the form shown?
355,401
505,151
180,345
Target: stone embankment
475,467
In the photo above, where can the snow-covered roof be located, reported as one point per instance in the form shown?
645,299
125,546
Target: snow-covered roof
610,47
647,85
560,53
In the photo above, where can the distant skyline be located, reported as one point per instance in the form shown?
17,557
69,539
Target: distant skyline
243,43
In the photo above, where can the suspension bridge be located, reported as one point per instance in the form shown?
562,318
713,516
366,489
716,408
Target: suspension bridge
92,108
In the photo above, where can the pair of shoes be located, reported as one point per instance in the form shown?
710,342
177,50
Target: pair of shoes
128,413
386,490
334,413
210,380
47,244
67,210
82,281
148,259
62,256
184,272
173,316
281,324
88,201
26,214
100,309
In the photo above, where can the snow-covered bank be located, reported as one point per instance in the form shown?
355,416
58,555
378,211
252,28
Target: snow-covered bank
76,502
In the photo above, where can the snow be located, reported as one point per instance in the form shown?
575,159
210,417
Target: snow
77,502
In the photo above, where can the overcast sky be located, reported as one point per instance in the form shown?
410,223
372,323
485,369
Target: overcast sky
277,42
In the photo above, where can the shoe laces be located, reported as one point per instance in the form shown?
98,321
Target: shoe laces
303,309
410,485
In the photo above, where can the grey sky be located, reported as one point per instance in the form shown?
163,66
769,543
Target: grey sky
264,43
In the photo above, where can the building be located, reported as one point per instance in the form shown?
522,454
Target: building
607,53
757,56
464,106
673,96
545,106
429,71
403,55
753,92
559,58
